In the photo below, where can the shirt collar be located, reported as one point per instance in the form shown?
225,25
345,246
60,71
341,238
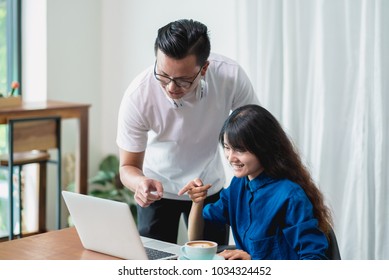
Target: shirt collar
258,182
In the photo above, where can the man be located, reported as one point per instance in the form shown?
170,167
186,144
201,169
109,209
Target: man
168,126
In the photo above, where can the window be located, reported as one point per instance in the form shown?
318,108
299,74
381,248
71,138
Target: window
10,70
10,47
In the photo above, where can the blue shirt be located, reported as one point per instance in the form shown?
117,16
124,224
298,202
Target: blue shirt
269,218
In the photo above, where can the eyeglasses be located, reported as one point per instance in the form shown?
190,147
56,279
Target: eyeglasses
165,80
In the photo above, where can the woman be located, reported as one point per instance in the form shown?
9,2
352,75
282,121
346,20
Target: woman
272,204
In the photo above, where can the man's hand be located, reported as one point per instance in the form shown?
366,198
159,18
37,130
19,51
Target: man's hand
196,190
148,191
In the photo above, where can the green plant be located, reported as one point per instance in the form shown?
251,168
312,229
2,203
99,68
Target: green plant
106,184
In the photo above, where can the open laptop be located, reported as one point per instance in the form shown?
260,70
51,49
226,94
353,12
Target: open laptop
108,227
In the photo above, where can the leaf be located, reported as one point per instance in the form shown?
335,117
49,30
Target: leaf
110,164
102,177
71,187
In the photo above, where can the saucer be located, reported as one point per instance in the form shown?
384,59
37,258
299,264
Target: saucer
215,258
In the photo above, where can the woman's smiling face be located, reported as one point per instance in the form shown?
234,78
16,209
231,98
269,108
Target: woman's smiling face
243,163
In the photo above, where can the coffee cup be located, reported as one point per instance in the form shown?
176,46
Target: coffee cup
199,250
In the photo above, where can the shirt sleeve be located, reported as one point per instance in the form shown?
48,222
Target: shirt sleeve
245,91
218,212
132,130
302,231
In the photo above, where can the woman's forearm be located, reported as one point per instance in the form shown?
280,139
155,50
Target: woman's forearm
196,221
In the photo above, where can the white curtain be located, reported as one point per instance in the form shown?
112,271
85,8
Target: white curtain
322,68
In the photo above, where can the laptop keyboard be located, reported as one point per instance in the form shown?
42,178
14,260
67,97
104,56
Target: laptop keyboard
154,254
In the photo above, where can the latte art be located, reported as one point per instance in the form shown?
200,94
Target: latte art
201,244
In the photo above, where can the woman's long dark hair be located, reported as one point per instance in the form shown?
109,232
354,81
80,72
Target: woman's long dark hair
254,129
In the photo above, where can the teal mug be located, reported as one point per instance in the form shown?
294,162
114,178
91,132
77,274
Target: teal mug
199,250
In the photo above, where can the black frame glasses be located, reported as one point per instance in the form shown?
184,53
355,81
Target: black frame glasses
181,83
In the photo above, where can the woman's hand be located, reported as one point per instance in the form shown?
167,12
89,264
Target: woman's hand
235,255
197,193
196,190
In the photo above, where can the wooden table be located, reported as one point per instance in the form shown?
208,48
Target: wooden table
66,110
61,244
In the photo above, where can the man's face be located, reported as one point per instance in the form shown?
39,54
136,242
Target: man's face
178,77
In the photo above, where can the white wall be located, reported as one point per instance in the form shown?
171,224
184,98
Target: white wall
34,51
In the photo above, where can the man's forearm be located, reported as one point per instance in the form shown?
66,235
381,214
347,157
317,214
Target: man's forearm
131,176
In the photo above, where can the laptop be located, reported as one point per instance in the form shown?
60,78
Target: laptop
108,227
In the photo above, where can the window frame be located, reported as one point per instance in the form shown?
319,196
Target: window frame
14,49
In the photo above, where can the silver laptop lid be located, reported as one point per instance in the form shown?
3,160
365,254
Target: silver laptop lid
105,226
